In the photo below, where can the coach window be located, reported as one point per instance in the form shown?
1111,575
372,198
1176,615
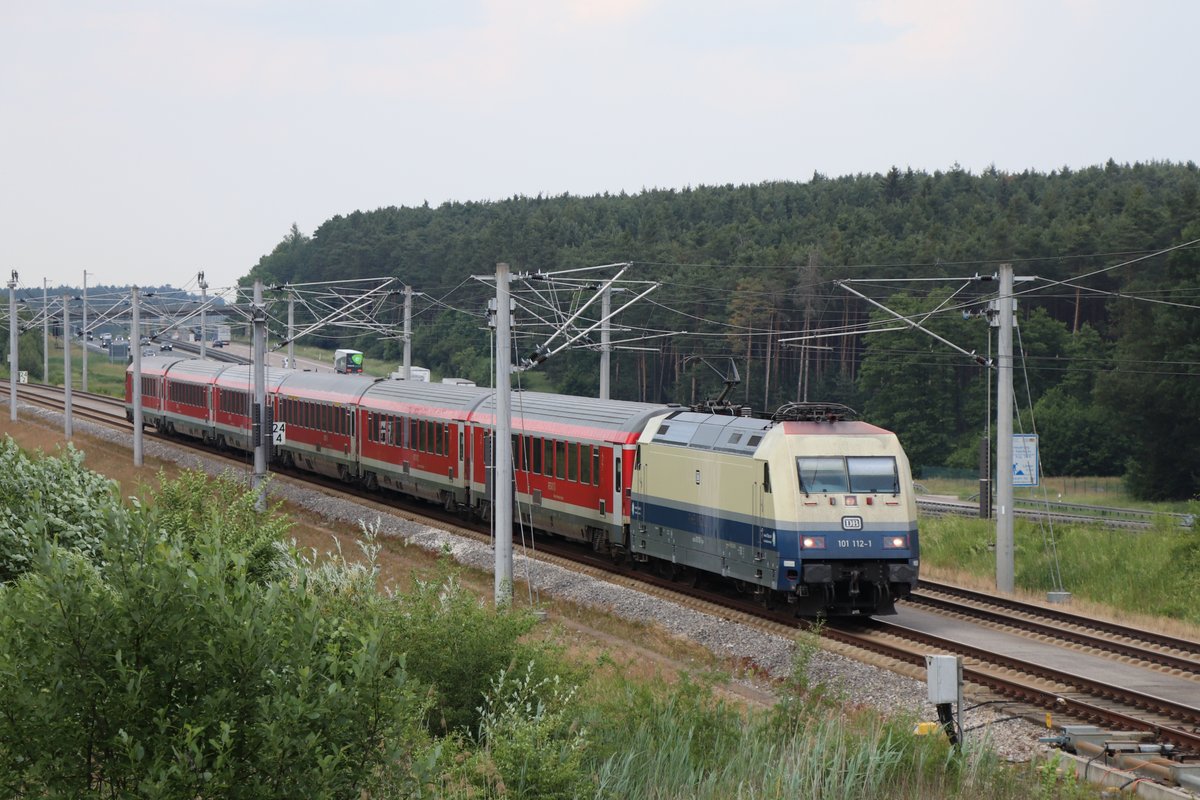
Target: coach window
548,457
573,462
585,464
560,460
535,447
437,438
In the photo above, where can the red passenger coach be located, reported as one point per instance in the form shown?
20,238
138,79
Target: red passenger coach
573,459
154,371
233,404
414,439
320,432
188,406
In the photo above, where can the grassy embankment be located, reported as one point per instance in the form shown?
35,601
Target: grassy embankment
1152,573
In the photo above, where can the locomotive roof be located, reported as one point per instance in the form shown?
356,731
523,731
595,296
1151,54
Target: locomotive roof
720,432
534,412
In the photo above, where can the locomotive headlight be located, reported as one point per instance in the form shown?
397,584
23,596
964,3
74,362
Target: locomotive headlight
813,542
895,542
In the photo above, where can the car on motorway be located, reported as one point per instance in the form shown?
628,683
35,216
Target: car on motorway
166,346
218,343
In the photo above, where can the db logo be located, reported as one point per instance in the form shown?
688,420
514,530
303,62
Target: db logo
852,523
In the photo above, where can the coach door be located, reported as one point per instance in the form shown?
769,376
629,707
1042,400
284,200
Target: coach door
759,535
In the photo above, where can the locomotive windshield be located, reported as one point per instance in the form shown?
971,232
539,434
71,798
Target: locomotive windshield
856,474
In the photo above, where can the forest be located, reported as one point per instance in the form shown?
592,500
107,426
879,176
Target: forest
1108,338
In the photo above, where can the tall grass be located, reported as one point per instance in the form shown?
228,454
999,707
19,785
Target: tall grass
676,742
1150,572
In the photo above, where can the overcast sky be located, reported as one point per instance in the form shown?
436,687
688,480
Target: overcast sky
144,141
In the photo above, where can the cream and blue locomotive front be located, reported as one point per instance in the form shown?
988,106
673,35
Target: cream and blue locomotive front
818,513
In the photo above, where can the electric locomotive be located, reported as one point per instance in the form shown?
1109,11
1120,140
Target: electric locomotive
806,507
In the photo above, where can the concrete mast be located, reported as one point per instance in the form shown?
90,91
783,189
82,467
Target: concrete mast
407,333
502,520
83,339
135,341
203,313
12,346
67,432
45,335
1004,428
605,341
260,427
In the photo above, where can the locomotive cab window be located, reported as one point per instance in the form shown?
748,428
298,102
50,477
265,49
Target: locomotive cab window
873,475
857,474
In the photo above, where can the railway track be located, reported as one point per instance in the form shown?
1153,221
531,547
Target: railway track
1124,519
1033,688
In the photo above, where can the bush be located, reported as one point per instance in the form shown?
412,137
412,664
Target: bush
458,645
167,671
529,745
52,498
195,506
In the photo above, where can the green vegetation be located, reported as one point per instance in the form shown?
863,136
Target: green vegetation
104,377
1152,572
143,654
1112,379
